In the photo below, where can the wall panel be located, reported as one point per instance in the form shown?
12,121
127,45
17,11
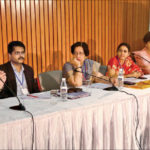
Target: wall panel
48,28
24,26
47,43
51,37
4,31
33,36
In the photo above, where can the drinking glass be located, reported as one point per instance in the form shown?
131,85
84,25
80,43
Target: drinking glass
87,86
53,99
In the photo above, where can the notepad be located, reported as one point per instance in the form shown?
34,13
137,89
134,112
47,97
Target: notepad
76,95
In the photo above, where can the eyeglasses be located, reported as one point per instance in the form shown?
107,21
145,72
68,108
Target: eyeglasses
80,53
19,53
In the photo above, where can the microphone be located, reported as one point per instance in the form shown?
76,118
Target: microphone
140,57
20,107
113,88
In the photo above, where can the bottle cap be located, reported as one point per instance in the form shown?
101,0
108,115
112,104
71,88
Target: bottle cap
63,79
121,69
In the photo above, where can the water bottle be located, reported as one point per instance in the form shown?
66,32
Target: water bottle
63,90
120,78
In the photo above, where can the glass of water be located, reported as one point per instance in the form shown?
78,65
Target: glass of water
87,86
53,98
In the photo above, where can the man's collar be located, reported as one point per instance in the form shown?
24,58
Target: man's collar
22,68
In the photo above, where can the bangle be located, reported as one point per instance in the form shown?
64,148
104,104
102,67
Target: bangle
78,67
79,70
76,70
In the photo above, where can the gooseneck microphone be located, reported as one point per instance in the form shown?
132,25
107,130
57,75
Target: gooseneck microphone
140,57
20,107
113,88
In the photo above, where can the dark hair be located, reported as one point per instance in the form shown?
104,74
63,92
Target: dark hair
146,37
12,44
123,44
83,45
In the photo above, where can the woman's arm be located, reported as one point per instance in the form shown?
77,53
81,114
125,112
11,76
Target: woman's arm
104,79
74,78
134,74
134,70
112,72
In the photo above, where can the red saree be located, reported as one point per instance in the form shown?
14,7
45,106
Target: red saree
129,66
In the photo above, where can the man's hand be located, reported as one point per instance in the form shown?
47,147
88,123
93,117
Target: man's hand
3,78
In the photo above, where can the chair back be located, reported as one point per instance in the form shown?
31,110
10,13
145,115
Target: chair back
100,68
103,69
49,80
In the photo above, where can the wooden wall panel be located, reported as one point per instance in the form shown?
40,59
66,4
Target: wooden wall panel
96,31
47,43
82,8
1,44
8,21
67,40
4,31
38,37
48,28
100,33
33,37
59,39
29,31
63,35
89,24
24,27
55,35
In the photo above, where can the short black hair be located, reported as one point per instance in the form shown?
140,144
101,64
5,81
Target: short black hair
12,44
83,45
123,44
146,37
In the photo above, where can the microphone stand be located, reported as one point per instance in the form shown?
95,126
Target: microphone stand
113,88
20,107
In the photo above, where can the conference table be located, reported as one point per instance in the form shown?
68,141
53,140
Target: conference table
104,120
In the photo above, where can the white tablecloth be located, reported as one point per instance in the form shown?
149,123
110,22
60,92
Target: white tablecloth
105,120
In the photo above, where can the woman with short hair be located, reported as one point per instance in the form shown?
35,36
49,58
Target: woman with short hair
80,68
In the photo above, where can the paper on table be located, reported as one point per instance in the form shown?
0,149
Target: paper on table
136,79
42,95
100,85
76,95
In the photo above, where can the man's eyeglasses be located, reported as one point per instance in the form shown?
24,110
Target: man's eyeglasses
19,53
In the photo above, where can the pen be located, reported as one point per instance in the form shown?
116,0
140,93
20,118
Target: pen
32,96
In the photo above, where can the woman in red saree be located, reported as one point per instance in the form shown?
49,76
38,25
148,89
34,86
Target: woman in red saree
124,61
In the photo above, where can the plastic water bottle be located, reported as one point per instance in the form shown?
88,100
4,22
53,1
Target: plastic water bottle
63,90
120,78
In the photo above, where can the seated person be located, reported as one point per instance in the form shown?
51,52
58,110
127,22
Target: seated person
20,77
143,55
3,78
124,61
79,68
